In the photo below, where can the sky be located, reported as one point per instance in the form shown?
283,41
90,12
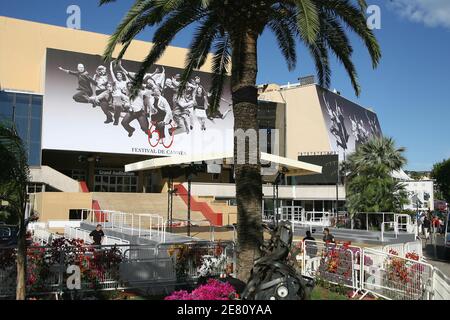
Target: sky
408,90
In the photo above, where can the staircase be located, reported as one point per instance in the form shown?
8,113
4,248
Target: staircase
214,217
155,203
54,178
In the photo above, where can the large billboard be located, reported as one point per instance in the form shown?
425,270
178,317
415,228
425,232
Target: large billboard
348,124
87,107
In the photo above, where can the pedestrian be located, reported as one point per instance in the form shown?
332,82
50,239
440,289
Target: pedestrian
426,226
436,224
421,221
308,236
310,246
441,226
97,235
327,236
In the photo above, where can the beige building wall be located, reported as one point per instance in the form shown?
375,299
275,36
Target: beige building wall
305,124
56,205
24,43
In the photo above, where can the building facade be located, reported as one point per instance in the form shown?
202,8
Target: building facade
69,140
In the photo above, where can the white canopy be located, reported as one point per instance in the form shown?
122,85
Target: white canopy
287,166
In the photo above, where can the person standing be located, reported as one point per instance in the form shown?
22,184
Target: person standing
426,226
310,247
97,235
327,236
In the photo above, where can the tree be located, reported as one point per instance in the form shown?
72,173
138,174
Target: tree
14,177
441,173
370,185
230,29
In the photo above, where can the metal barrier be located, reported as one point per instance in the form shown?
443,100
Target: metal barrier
145,225
396,278
441,286
115,267
379,272
43,236
77,233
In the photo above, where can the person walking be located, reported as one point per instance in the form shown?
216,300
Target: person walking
97,235
426,226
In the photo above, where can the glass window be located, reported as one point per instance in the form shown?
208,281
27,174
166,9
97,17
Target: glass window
36,107
34,158
22,128
119,180
318,205
22,105
308,205
35,130
6,106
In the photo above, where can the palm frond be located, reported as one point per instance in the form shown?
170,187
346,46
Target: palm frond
307,20
117,37
355,19
220,65
199,49
284,34
165,33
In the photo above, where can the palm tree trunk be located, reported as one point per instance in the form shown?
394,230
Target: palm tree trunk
21,259
248,174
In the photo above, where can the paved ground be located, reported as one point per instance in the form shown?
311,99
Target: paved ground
436,254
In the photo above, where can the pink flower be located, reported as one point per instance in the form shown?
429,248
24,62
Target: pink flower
213,290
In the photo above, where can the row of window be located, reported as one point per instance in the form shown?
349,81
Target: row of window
25,111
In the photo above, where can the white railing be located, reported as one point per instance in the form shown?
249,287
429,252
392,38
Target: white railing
378,272
77,233
144,225
401,249
298,216
441,286
43,236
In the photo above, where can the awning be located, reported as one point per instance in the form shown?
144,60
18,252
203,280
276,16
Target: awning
286,166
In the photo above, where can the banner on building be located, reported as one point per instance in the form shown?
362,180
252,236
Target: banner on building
88,107
348,124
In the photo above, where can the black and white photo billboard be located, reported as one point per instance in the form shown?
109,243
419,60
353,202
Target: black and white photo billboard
347,123
88,107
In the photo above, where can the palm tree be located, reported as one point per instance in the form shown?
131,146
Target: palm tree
230,29
370,185
14,178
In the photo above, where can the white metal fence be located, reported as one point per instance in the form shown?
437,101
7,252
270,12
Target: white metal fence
382,273
145,225
77,233
441,286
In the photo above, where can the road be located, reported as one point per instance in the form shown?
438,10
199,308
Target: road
436,254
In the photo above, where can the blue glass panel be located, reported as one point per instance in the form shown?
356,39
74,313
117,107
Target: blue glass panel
22,105
36,107
34,158
35,130
22,128
6,106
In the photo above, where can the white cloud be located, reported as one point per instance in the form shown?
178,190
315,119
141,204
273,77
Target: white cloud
432,13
